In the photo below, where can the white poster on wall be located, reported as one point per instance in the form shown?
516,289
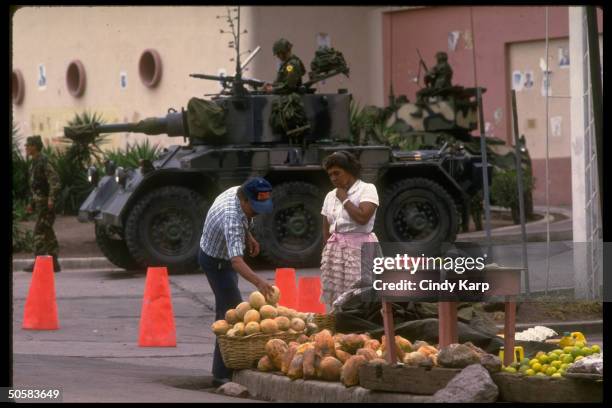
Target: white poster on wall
528,80
517,81
323,40
42,77
546,88
123,80
453,39
563,55
556,126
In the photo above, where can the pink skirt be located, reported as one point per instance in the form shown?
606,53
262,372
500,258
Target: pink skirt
341,263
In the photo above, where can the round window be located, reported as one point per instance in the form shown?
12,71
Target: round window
17,87
75,78
150,68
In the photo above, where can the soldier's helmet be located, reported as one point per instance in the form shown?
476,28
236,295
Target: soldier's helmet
281,45
442,56
35,141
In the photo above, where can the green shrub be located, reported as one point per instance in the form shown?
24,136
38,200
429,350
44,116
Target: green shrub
504,190
19,167
22,240
132,154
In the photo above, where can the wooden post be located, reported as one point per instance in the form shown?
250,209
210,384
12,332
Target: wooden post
509,330
387,311
447,323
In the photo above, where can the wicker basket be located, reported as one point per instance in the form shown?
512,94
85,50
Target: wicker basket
244,352
325,321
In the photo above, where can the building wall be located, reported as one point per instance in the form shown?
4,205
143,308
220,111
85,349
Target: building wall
500,35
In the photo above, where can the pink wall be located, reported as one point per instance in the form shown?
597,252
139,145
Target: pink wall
494,28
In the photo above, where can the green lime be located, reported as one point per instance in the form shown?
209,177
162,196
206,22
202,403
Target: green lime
556,375
563,366
586,351
578,358
550,371
567,349
543,359
540,374
558,351
595,348
579,344
525,361
576,351
530,372
523,368
536,367
568,359
556,364
510,369
533,361
540,353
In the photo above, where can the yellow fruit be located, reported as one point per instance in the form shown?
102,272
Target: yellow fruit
568,359
536,367
563,367
575,351
231,316
242,308
269,326
557,351
540,353
231,333
297,324
579,344
556,375
274,298
568,349
543,359
578,358
595,348
551,371
268,312
257,300
533,361
252,316
283,323
586,351
510,369
544,368
530,372
540,374
220,327
239,329
523,368
283,311
556,364
251,328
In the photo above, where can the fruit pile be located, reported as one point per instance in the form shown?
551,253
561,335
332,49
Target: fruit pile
554,363
328,357
261,315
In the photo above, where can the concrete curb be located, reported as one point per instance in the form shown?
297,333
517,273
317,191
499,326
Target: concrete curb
274,387
584,326
70,263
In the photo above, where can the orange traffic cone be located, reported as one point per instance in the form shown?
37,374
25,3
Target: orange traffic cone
285,281
40,311
309,293
157,327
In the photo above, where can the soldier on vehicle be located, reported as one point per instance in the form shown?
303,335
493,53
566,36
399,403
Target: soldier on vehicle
44,185
226,231
437,80
290,72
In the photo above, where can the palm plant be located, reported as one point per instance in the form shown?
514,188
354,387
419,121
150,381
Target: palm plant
130,156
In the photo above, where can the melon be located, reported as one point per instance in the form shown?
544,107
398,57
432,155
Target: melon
242,308
297,324
257,300
283,311
220,327
252,316
303,339
239,329
231,316
268,312
283,323
330,369
404,344
268,326
350,370
252,328
265,364
276,350
368,353
342,355
275,297
351,343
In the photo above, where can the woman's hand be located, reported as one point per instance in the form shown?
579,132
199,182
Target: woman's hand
341,194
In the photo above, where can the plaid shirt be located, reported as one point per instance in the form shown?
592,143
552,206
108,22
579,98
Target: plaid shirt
224,233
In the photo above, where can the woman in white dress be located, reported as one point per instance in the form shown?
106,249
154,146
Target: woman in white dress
348,213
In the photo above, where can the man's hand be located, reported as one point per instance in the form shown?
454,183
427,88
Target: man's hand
342,194
265,288
253,246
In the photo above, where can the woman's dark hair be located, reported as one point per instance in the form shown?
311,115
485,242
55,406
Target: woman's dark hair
345,160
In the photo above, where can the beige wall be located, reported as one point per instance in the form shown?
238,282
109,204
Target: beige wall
109,40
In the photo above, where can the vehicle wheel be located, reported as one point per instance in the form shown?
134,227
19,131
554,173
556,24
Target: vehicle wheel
419,210
291,235
115,250
164,228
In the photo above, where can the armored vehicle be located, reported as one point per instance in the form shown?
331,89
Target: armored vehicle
153,215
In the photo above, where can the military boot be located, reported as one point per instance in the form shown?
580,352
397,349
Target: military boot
29,268
56,265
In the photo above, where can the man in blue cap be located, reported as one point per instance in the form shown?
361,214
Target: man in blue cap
225,235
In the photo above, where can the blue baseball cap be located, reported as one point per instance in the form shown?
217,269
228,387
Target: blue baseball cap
259,192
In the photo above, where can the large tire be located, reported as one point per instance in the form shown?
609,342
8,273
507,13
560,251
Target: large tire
417,210
291,235
164,228
115,250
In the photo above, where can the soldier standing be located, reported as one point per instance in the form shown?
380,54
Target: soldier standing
437,80
290,72
44,187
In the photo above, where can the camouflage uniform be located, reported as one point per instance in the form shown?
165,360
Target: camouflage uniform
44,183
291,71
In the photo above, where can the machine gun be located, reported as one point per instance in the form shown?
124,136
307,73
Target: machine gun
227,82
421,64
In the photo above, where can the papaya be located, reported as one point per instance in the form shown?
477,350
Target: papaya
288,357
351,343
231,316
324,343
241,309
257,300
342,355
283,323
350,370
296,368
276,350
268,326
372,344
268,312
308,368
330,369
252,316
368,353
264,364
